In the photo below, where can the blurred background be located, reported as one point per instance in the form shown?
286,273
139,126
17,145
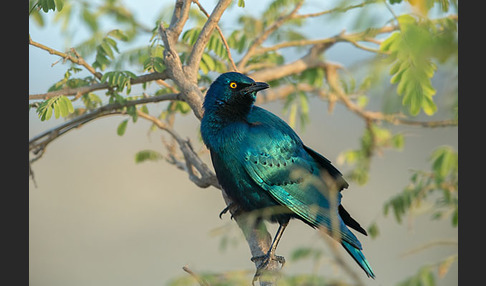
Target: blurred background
96,217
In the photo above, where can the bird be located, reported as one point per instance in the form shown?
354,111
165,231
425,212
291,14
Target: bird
261,163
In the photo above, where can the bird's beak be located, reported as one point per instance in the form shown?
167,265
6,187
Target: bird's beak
257,86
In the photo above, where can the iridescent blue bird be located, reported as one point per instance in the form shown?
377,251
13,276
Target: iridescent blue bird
261,163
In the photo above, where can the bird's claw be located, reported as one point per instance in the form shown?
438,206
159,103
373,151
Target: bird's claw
266,259
236,211
225,210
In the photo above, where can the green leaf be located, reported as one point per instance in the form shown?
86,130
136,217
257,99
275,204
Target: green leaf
398,141
455,217
60,105
118,34
241,3
190,36
373,230
59,4
444,161
119,79
144,109
122,127
90,19
147,155
154,63
411,51
106,49
47,5
57,108
132,111
208,63
301,253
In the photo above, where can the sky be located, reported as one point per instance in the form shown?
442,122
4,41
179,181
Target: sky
98,218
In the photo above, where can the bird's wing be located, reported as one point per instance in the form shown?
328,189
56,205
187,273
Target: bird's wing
276,160
326,166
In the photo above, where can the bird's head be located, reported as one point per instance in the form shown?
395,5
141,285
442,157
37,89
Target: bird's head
232,94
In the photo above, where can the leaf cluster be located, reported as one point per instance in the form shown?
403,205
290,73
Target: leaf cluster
59,105
105,51
119,80
412,51
374,139
426,275
441,183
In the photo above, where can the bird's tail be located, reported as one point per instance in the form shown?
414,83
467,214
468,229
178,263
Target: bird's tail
359,258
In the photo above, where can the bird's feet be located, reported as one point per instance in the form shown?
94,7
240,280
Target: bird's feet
233,207
263,265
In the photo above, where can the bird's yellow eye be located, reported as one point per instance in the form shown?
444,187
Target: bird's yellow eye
233,85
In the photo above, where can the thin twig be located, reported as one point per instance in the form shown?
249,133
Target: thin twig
77,60
334,10
230,58
353,38
429,245
41,140
204,36
198,278
265,34
97,86
206,177
332,77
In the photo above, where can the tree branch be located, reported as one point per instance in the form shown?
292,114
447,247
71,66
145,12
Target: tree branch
179,19
39,142
337,9
265,34
230,58
77,60
341,37
97,86
201,42
207,177
310,60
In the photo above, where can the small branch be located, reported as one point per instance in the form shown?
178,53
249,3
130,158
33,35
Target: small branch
179,19
40,141
77,60
233,66
429,245
97,86
310,60
198,49
353,38
207,177
265,34
195,276
337,9
374,116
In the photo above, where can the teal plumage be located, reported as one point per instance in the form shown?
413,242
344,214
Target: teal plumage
262,163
